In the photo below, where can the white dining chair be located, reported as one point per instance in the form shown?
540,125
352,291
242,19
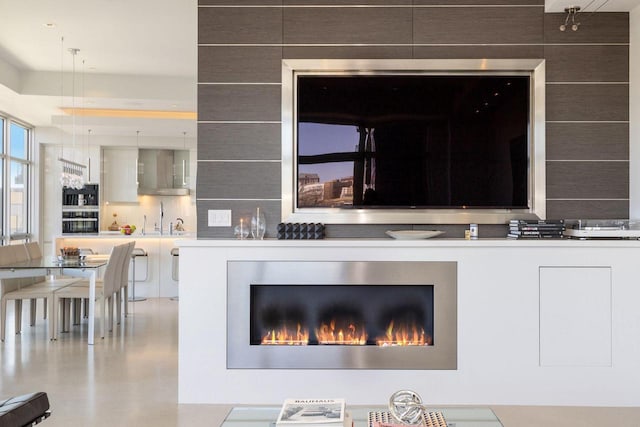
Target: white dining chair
121,310
105,289
124,283
30,288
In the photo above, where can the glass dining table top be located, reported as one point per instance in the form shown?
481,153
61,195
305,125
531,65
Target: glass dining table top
53,262
457,416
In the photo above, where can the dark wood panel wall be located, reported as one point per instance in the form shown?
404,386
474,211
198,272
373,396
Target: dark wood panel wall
241,44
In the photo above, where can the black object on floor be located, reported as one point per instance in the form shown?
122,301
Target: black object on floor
25,410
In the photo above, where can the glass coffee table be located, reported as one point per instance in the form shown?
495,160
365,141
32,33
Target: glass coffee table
265,416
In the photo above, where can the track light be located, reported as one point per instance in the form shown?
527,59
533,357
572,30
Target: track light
571,15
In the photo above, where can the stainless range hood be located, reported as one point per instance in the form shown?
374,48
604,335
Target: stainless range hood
163,172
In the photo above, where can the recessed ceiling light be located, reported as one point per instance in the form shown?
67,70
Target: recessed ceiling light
49,25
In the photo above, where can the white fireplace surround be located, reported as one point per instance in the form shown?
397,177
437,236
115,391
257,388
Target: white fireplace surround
539,323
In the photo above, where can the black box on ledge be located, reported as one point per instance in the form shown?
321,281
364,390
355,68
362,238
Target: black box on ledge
300,231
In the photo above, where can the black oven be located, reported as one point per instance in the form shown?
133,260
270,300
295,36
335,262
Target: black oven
80,210
84,221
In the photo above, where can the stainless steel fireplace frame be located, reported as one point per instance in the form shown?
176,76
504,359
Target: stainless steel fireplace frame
242,274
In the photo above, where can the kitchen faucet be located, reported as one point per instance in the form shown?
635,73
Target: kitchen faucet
144,225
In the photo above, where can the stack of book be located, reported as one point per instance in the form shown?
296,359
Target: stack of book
314,413
536,229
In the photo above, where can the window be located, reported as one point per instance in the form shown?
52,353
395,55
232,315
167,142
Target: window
15,170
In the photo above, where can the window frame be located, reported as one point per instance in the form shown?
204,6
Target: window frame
27,162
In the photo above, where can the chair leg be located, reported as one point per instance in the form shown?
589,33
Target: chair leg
110,305
33,304
118,306
52,321
3,318
18,315
65,314
76,310
86,308
102,317
126,300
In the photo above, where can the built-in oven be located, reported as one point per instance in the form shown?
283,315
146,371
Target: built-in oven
85,196
80,210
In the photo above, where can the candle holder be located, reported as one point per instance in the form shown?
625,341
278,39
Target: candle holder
241,231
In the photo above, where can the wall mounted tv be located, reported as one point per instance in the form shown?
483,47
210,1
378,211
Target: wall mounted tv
416,143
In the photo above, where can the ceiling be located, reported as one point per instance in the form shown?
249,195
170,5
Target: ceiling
134,55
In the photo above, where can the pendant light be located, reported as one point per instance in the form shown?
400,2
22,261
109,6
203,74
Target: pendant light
137,158
88,155
72,172
184,161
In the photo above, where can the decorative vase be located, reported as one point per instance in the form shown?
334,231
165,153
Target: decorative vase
258,225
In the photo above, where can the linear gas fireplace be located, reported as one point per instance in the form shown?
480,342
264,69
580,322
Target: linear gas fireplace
341,315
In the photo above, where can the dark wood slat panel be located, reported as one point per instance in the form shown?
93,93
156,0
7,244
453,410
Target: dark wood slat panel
456,231
361,230
478,25
238,180
347,52
477,2
240,2
609,27
237,141
378,230
239,102
239,209
222,25
345,25
587,141
588,209
587,102
454,52
347,2
601,63
587,180
224,64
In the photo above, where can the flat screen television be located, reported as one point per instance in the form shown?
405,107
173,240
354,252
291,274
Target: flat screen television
385,145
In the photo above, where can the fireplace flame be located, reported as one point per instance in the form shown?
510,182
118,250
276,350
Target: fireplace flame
286,336
351,334
403,335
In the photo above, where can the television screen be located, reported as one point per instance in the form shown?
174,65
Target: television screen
413,141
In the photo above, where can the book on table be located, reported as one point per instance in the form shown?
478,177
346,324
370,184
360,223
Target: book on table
313,413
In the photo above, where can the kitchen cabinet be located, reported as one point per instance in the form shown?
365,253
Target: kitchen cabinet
119,175
575,316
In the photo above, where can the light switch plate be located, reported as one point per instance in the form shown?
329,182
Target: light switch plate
219,218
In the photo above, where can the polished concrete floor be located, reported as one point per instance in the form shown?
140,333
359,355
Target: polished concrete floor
131,378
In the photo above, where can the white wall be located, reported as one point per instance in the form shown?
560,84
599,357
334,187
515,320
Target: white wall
634,113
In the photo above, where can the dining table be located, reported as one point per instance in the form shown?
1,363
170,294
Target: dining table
67,266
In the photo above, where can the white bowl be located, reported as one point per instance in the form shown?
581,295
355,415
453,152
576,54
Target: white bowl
413,234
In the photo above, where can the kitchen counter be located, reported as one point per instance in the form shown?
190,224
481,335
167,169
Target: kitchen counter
117,235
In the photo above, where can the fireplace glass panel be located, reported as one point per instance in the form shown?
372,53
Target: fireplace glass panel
382,315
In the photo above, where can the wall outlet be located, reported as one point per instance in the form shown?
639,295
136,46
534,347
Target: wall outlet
219,218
